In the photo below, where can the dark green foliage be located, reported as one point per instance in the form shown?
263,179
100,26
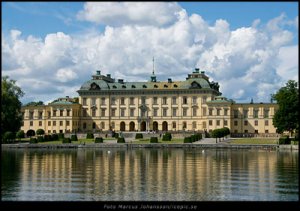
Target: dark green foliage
153,140
199,136
138,135
33,141
116,135
66,141
40,132
99,140
30,133
121,140
35,103
284,140
20,134
187,140
167,137
47,138
74,137
11,116
40,139
89,136
286,117
61,136
54,137
8,137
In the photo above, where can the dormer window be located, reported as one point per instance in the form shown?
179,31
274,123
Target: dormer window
94,86
175,86
166,86
155,86
195,85
114,87
124,87
133,86
144,86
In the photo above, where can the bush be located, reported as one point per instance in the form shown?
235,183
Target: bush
33,141
54,137
20,134
30,133
199,136
61,136
8,137
153,140
99,140
74,137
116,135
187,140
66,141
121,140
89,136
40,139
284,140
167,137
295,142
47,138
40,132
138,136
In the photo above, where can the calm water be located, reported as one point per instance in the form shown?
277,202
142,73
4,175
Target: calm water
149,175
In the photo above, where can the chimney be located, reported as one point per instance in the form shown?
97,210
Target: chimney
169,80
120,81
98,72
196,70
202,72
108,75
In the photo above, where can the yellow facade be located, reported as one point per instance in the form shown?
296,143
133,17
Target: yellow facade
191,105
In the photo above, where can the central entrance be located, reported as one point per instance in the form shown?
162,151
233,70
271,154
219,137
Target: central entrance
143,126
165,126
131,126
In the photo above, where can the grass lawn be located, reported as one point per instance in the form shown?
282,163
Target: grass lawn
254,141
147,141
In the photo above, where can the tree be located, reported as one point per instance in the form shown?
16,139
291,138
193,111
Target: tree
20,134
286,117
11,116
35,103
40,132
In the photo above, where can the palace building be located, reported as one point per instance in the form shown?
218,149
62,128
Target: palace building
194,104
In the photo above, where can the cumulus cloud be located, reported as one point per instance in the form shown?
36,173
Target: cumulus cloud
248,62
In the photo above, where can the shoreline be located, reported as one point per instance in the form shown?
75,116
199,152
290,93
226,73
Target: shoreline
154,145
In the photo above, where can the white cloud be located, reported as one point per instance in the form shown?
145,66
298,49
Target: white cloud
124,13
248,62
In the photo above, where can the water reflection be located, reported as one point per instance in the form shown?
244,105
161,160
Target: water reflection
149,174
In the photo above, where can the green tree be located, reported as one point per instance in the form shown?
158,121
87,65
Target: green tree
35,103
40,132
11,116
20,134
286,117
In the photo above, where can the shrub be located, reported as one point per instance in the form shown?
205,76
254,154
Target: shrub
194,138
66,141
153,140
121,140
40,132
20,134
89,136
30,133
284,140
40,139
47,138
74,137
8,137
138,135
61,136
54,137
99,140
33,141
187,140
116,135
199,136
167,137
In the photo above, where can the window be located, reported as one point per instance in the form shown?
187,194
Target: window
40,123
84,112
218,111
132,112
174,112
54,113
93,101
31,123
184,100
184,112
84,125
245,131
210,112
266,113
122,112
184,125
255,113
49,114
194,111
235,113
143,100
225,111
174,101
68,112
40,114
94,125
155,112
266,131
245,122
113,112
54,123
194,100
225,122
245,113
132,101
256,131
164,112
112,125
143,113
67,123
164,102
210,123
235,123
266,122
204,111
31,115
84,101
122,101
49,131
218,122
61,113
60,123
256,123
204,99
49,123
154,100
93,112
103,112
113,101
102,125
194,125
174,125
103,101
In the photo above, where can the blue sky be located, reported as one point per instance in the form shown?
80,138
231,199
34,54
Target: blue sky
210,35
